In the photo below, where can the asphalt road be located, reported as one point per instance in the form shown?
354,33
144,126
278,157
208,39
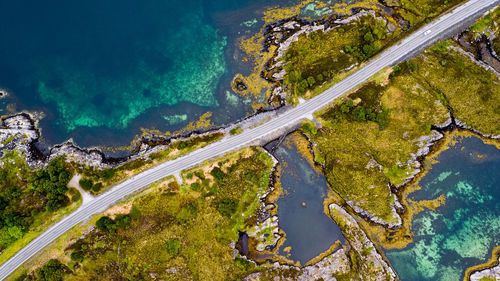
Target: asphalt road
412,43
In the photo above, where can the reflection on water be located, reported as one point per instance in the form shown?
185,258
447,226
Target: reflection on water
463,232
309,231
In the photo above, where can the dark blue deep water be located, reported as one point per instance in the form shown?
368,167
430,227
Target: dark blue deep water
463,231
101,70
309,231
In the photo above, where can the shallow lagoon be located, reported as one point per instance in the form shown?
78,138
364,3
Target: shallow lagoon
309,231
463,232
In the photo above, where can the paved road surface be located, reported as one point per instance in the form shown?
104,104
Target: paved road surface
412,43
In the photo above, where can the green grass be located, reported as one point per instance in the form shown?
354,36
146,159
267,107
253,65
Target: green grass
236,131
416,11
488,278
318,57
472,92
362,154
190,231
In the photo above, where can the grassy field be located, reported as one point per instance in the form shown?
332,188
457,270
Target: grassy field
176,232
320,56
472,92
489,25
418,11
368,139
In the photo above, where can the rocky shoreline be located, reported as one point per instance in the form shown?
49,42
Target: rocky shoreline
23,126
487,274
20,132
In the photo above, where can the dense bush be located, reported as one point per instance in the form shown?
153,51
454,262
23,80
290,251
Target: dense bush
123,221
77,256
86,183
227,207
25,193
309,127
53,182
370,44
107,174
53,270
187,212
235,131
97,187
106,224
218,174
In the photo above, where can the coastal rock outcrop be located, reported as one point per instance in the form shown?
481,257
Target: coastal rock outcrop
373,266
18,132
331,265
487,274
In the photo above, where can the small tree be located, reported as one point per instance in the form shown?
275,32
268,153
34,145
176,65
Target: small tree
218,174
311,81
227,207
106,224
303,85
86,183
368,37
77,256
97,187
348,49
53,270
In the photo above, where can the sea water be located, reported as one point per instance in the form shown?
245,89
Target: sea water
101,70
462,232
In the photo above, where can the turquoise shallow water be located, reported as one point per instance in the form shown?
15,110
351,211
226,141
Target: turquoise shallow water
100,70
309,231
463,232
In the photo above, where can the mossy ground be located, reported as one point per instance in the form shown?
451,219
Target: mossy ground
471,91
416,11
363,154
203,217
320,56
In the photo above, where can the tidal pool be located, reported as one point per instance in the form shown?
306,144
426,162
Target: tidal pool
309,231
463,231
